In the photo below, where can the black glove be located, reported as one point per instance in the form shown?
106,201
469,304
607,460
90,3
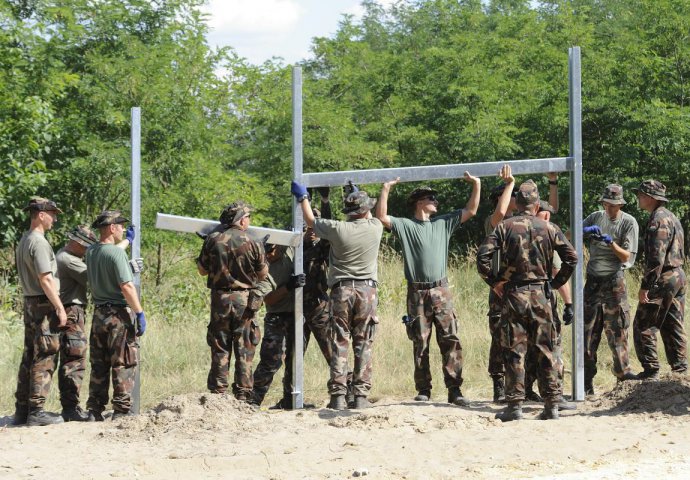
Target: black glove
201,235
296,281
350,188
568,314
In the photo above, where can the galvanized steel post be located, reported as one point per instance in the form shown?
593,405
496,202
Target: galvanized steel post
578,362
136,221
297,222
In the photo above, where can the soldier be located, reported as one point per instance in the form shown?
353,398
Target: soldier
44,316
278,291
424,243
234,263
662,291
352,277
118,319
612,237
526,244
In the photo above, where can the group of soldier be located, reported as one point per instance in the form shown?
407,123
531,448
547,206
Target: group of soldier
55,301
524,259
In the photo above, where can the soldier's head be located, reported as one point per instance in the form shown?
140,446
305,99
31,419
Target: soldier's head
424,199
81,237
545,211
612,200
111,225
238,214
527,197
358,205
496,193
43,212
651,194
274,252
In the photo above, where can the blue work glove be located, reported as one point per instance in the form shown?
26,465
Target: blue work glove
593,230
299,191
130,234
568,314
141,323
607,239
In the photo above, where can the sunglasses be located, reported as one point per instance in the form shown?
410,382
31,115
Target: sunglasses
431,198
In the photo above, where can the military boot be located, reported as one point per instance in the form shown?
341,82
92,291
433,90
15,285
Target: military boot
512,412
75,414
423,396
350,395
532,396
563,404
499,389
589,386
550,412
652,375
361,402
95,416
628,376
455,397
337,402
40,418
21,414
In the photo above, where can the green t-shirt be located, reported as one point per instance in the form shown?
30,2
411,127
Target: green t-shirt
354,247
72,275
34,257
425,245
624,231
278,275
107,268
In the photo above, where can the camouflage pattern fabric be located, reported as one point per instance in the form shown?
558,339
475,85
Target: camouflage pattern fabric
664,314
496,368
665,281
277,345
606,308
354,320
429,308
73,345
532,357
233,329
113,351
317,322
526,244
39,357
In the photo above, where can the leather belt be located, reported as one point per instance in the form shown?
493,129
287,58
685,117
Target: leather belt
428,285
354,283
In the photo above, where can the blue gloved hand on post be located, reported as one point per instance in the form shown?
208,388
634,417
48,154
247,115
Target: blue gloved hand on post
592,230
130,234
607,239
141,323
299,191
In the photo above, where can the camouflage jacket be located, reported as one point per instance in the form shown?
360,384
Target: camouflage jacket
232,259
663,245
526,245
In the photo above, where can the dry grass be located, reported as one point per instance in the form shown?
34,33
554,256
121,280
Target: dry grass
175,356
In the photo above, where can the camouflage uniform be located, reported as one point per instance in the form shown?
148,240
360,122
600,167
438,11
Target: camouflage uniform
664,279
526,244
232,259
495,367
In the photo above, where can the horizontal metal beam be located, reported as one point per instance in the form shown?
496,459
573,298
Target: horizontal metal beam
437,172
177,223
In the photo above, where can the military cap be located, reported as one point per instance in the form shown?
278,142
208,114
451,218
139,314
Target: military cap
420,193
653,188
498,190
613,194
527,194
109,217
546,207
40,204
357,203
82,235
235,211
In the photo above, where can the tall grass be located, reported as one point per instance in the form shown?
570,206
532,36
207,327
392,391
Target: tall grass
175,357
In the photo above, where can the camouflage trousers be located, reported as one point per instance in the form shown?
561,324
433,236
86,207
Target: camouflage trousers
278,344
496,368
606,308
532,358
233,328
317,322
353,320
664,313
429,308
527,320
114,351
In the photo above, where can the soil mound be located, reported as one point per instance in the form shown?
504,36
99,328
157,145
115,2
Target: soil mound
669,395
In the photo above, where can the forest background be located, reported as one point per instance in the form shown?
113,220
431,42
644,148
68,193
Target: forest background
424,82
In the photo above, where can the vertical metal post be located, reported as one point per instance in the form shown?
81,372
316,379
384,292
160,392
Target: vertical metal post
575,97
297,221
136,221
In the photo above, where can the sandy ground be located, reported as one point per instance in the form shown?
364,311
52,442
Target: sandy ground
638,430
